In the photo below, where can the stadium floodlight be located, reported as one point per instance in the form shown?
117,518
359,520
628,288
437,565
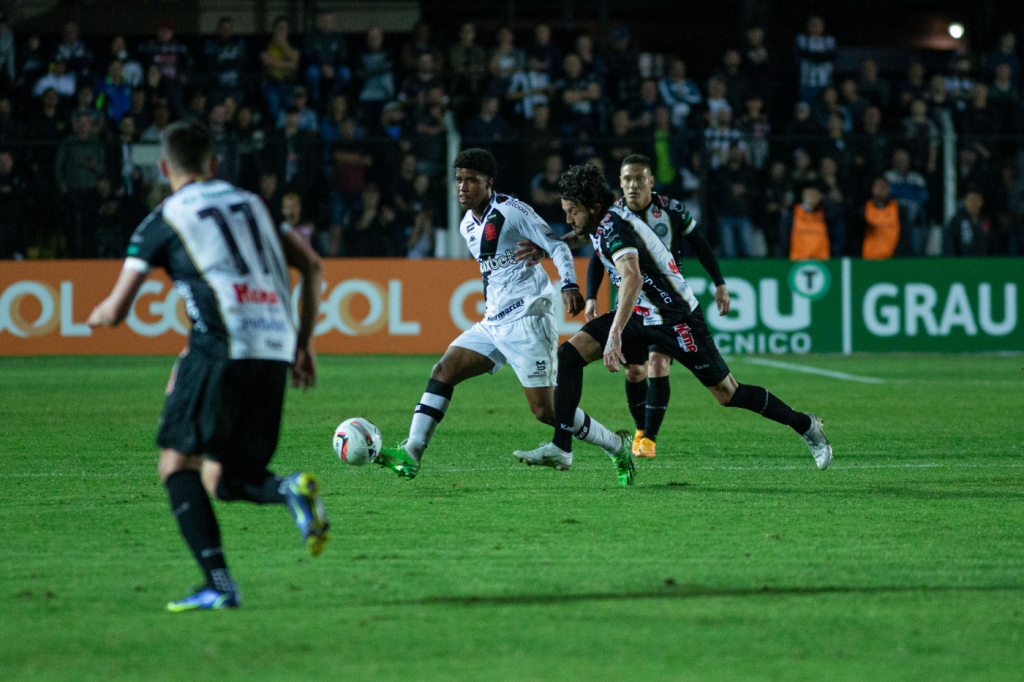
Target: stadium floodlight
956,30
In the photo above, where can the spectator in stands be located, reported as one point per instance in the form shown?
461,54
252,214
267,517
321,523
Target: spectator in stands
225,145
530,88
121,167
226,58
624,141
370,235
594,65
402,192
853,103
60,80
308,120
74,52
33,63
115,95
979,123
80,164
827,105
755,129
874,89
468,70
908,187
196,112
49,125
505,60
921,138
1003,97
131,68
291,211
719,137
623,67
971,170
837,145
914,87
580,97
960,82
10,127
641,113
161,119
139,110
735,186
420,240
415,87
428,139
544,195
86,105
871,149
778,197
802,125
280,70
326,53
815,58
804,231
716,98
679,93
1005,53
271,194
375,72
294,155
803,171
8,74
759,63
737,84
940,109
969,231
330,124
157,90
1007,206
487,126
835,187
173,58
668,151
13,228
420,45
540,140
548,56
883,237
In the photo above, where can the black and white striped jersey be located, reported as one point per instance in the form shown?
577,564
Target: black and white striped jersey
512,288
669,219
221,248
666,298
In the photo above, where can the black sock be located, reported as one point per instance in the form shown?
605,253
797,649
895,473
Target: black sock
657,402
568,390
636,398
757,399
192,509
269,491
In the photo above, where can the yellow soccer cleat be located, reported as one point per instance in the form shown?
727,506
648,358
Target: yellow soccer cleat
645,449
637,437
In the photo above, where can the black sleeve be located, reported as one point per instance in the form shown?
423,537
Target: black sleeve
595,275
705,254
150,239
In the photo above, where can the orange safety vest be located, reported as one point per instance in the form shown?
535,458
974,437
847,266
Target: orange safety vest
881,230
809,238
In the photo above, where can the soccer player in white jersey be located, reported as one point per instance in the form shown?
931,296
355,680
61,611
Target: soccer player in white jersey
222,415
665,314
519,325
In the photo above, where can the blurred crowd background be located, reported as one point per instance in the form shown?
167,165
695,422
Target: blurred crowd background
348,135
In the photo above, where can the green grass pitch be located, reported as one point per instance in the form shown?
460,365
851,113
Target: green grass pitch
732,558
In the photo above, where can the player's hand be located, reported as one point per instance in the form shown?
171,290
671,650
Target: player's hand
613,357
529,252
722,299
591,310
573,301
102,315
304,368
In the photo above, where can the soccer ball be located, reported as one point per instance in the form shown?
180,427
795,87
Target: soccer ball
357,441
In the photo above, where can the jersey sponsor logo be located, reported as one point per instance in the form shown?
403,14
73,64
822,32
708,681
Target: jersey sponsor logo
497,262
499,315
656,212
490,231
640,310
672,266
686,341
261,325
660,229
246,295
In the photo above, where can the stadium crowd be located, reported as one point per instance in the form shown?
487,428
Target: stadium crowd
345,136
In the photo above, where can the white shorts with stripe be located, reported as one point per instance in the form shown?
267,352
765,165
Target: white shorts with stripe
529,344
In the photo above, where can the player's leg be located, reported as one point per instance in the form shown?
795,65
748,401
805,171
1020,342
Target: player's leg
586,429
636,398
190,504
470,355
657,402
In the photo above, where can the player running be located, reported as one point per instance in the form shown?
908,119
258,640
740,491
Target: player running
667,315
672,223
222,414
518,328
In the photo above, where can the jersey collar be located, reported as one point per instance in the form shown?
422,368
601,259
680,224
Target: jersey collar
485,212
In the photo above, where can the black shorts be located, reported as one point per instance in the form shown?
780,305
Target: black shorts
688,342
227,410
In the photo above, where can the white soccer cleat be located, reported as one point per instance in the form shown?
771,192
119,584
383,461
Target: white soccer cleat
547,455
817,442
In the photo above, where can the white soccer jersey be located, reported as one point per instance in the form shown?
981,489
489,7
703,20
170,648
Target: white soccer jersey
512,288
221,248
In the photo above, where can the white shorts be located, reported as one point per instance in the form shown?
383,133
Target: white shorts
529,344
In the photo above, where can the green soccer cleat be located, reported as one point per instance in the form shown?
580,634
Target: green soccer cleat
399,460
623,458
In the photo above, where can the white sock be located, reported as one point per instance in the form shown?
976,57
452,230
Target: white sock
589,430
429,412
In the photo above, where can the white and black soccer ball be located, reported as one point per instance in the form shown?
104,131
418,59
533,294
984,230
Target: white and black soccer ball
357,441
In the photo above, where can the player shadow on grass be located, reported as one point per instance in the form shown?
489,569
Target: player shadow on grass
674,591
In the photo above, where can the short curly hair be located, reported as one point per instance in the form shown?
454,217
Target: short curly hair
585,186
477,159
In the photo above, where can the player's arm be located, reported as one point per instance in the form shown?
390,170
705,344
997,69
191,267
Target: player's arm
303,259
595,275
113,310
540,233
628,266
705,254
